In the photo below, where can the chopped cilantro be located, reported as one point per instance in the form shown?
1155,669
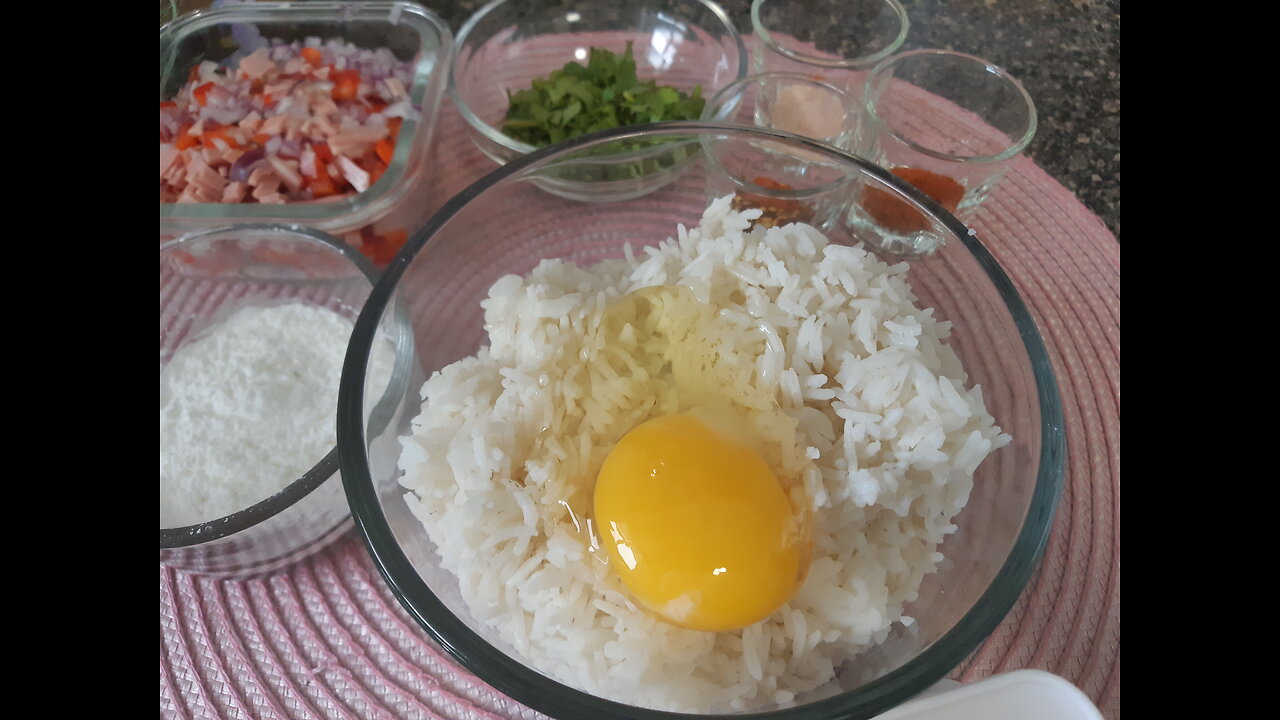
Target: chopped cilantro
604,94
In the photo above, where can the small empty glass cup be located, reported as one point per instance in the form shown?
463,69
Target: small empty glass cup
836,41
788,183
948,123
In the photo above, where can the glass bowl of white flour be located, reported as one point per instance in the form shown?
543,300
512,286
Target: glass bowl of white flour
254,324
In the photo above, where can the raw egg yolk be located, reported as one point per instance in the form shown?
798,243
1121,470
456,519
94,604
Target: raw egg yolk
699,528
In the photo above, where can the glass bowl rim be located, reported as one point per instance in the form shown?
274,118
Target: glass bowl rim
551,697
762,33
302,486
1015,147
506,141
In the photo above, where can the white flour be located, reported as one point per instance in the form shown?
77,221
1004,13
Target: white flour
248,408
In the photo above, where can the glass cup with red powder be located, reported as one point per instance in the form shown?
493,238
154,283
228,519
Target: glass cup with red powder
948,123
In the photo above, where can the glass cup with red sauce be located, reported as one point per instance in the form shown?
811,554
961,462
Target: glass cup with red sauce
948,123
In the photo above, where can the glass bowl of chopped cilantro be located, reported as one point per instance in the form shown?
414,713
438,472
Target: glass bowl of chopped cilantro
528,74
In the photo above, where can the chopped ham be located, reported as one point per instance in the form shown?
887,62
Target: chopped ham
293,127
394,89
195,193
270,185
189,195
260,174
355,141
251,122
168,153
323,107
322,126
256,64
234,192
176,173
279,89
294,66
272,123
201,176
287,171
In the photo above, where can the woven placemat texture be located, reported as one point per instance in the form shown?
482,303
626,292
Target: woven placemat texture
324,638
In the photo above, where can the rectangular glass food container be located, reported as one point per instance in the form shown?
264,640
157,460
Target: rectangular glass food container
410,31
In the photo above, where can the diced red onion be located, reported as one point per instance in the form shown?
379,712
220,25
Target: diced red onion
225,115
307,162
245,164
400,109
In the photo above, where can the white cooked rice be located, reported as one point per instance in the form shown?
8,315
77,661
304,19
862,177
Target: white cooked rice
887,438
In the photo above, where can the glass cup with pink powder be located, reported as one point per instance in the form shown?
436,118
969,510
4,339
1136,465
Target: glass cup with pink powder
789,184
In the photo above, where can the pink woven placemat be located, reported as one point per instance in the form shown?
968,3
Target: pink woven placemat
325,638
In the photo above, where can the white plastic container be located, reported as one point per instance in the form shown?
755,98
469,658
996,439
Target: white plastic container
1017,695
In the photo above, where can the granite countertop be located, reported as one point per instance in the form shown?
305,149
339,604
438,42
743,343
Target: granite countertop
1065,52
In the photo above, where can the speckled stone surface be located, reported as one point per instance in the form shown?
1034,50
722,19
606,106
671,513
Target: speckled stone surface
1065,52
1067,55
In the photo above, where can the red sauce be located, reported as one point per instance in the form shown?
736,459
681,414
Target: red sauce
894,213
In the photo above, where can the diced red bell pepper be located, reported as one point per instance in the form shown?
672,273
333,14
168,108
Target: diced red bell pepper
185,139
322,152
381,249
384,150
224,134
201,94
312,55
322,185
373,166
346,85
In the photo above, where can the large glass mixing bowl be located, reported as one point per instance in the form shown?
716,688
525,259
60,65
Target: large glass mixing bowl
505,223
